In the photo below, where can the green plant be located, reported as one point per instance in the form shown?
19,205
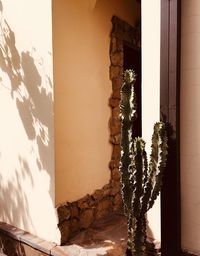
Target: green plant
140,181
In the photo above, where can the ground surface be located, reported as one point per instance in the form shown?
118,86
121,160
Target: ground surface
107,237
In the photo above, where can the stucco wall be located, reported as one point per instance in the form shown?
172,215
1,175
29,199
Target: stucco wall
81,39
26,114
190,125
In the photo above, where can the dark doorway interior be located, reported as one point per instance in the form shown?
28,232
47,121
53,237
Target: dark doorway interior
132,60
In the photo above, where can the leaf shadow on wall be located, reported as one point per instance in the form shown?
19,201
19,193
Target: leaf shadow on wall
31,89
13,199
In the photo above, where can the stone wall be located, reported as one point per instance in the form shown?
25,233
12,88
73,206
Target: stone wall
79,215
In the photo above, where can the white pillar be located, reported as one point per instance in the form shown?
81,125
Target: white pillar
151,87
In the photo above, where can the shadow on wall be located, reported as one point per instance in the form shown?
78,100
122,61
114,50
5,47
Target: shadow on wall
32,91
14,199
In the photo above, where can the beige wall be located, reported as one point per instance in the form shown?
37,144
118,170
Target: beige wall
81,32
190,125
26,112
151,88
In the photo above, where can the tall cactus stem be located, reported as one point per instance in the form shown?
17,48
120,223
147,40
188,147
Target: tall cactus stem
140,181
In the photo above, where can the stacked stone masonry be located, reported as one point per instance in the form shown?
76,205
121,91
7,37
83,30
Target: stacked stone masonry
79,215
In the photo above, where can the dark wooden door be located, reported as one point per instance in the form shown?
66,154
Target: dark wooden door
170,111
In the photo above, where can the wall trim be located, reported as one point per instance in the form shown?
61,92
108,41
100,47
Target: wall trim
15,241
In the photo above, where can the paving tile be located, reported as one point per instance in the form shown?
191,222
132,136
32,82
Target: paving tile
11,231
47,246
37,243
59,251
26,250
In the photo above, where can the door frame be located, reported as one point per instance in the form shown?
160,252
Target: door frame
170,112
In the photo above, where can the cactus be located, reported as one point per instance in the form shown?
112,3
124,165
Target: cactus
140,181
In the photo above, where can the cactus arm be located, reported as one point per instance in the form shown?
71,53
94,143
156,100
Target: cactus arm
162,159
156,166
139,174
140,169
127,114
150,174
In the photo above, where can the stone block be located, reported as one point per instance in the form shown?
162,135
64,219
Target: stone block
74,211
116,113
74,226
86,218
115,174
113,102
106,190
85,202
104,208
115,126
114,164
115,187
98,194
116,152
116,45
118,202
115,71
117,82
65,231
117,58
63,212
115,140
116,94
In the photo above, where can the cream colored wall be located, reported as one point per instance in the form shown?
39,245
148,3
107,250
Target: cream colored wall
81,32
190,125
151,89
27,192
